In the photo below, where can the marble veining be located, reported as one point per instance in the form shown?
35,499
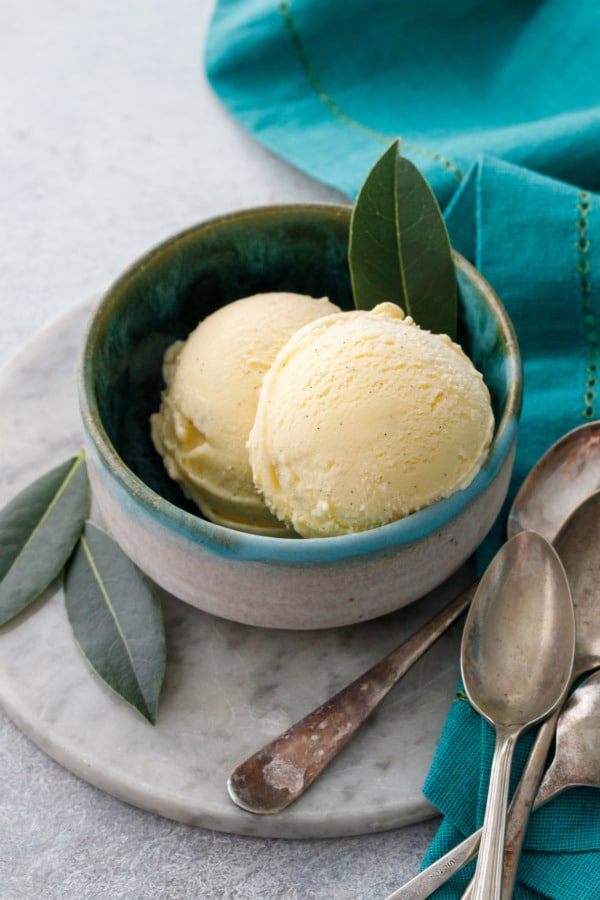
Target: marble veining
228,687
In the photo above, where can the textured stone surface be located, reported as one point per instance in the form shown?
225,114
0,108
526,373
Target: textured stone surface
112,140
64,840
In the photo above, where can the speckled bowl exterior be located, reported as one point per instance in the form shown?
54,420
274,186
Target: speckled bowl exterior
269,581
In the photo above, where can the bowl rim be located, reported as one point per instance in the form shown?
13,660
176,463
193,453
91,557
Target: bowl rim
289,550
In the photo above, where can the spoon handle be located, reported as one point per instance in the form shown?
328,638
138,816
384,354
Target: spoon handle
487,884
283,769
521,805
425,883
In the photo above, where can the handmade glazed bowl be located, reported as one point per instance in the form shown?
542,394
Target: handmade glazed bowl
270,581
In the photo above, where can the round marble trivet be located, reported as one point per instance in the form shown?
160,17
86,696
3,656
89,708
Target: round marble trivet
228,689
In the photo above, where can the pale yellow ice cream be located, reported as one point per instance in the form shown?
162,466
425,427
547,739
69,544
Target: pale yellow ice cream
213,381
364,418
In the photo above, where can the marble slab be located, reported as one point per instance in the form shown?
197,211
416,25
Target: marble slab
228,687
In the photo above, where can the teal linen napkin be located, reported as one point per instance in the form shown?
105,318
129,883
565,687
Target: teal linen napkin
490,99
537,241
328,83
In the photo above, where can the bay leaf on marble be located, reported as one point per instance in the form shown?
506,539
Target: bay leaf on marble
38,531
117,620
399,249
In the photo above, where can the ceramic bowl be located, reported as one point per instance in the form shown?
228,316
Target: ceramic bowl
269,581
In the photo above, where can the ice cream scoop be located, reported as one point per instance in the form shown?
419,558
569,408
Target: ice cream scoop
364,418
207,409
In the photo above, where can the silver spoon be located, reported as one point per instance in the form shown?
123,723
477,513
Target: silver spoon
516,659
576,764
578,545
282,770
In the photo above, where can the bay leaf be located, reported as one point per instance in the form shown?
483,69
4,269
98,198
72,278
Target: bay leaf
117,620
399,249
373,252
38,531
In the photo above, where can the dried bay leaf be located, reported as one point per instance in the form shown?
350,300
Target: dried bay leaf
38,531
399,249
116,617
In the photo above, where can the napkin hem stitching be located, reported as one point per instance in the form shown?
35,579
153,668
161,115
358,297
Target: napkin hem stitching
584,269
283,8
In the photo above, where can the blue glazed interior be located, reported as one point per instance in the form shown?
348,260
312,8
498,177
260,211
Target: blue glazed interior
162,298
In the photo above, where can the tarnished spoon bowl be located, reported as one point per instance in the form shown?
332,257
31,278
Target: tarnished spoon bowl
562,479
578,545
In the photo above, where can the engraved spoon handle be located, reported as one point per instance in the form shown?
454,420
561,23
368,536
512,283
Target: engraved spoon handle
283,769
435,875
487,883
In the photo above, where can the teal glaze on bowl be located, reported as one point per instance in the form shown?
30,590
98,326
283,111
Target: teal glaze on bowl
270,581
